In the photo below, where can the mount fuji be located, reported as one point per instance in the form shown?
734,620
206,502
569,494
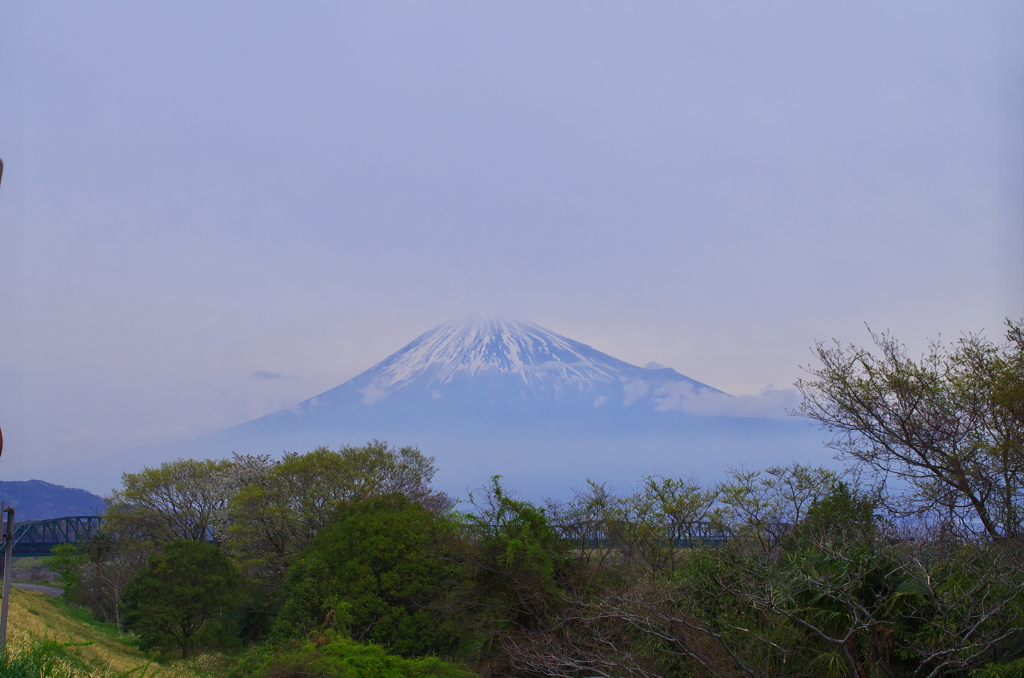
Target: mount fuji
491,396
497,367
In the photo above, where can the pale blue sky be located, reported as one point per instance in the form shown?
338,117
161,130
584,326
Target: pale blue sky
198,192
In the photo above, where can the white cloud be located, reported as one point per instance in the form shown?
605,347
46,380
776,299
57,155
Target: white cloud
374,391
770,402
634,390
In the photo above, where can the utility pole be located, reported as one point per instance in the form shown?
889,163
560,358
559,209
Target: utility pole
9,541
8,553
8,546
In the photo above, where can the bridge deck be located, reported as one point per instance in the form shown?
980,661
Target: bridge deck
38,537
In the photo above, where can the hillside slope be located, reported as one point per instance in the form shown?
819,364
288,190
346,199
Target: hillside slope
39,500
35,617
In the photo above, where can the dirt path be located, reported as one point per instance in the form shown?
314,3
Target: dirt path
40,588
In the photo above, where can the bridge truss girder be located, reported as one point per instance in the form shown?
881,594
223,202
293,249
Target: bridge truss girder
38,537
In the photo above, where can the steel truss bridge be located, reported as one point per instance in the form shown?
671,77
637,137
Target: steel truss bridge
592,535
38,537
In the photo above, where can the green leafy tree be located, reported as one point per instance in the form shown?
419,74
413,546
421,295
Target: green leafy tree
181,499
846,511
518,564
766,505
379,570
837,598
180,596
67,562
283,505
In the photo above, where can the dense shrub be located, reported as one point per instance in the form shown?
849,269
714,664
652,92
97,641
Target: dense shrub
379,570
180,599
338,657
66,561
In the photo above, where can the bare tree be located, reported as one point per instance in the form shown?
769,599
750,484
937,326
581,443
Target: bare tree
965,600
766,505
111,565
951,425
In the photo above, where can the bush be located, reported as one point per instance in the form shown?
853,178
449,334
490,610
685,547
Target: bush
66,561
340,658
379,570
178,600
1004,670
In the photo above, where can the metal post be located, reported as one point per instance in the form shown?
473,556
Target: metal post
8,553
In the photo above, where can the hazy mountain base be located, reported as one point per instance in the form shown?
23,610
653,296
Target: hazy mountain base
489,396
541,456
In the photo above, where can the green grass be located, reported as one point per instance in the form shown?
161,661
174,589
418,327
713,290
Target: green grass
40,621
44,659
85,616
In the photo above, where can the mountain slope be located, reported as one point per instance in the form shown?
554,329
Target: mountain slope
38,500
535,358
495,365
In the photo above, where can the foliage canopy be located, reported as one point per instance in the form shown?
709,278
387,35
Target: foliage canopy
183,591
379,570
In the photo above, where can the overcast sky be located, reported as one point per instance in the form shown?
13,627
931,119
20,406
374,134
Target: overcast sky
211,210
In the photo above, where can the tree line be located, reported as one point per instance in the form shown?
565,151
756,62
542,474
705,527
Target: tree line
905,562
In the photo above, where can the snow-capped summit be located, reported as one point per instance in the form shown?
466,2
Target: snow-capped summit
496,346
503,361
481,345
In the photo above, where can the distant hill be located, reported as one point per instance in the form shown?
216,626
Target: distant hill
39,500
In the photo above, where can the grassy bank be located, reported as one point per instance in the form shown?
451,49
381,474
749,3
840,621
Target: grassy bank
93,650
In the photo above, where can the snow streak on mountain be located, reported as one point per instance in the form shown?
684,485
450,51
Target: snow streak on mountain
497,346
500,360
